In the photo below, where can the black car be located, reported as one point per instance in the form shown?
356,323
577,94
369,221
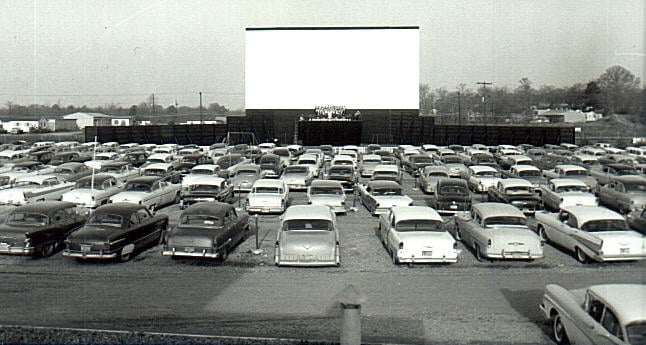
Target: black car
38,229
72,171
189,161
69,156
116,232
272,165
136,158
451,195
207,230
345,174
412,164
44,156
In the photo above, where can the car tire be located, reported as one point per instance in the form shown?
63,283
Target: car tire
125,257
458,236
580,255
558,330
393,256
47,250
476,249
542,234
152,208
224,254
177,199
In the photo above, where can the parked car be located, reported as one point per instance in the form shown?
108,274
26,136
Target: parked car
136,158
455,165
150,191
527,172
387,172
312,161
412,164
199,171
44,156
93,191
430,175
637,220
379,196
116,231
596,315
38,229
591,233
481,177
328,193
26,168
368,164
297,177
205,188
624,194
416,234
33,188
243,177
228,162
497,231
268,196
516,192
166,171
561,192
608,172
68,156
572,172
189,161
451,195
207,230
122,171
71,171
344,174
308,236
272,164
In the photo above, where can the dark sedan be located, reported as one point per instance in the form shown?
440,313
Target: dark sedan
39,229
414,163
116,231
451,196
207,230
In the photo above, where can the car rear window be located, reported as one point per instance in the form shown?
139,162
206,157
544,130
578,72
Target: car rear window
419,225
307,225
495,221
201,220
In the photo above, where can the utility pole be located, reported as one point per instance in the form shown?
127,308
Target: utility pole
459,110
201,116
152,111
484,98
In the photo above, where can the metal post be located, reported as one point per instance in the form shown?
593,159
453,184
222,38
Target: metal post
459,110
201,116
257,243
350,301
239,196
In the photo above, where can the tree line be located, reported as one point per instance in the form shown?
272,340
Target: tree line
616,91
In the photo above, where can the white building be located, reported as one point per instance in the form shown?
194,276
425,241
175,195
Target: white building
23,125
89,119
121,121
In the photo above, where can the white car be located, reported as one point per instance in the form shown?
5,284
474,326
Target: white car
481,177
597,315
203,188
379,196
198,171
122,171
32,188
592,233
562,192
368,164
416,234
498,231
267,196
93,191
297,177
243,177
328,193
150,191
102,158
308,236
387,172
429,176
314,162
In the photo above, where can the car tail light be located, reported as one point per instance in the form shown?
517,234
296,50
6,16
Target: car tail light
27,242
401,245
489,243
455,245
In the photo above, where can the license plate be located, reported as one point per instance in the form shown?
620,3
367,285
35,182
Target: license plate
307,258
86,248
453,207
427,253
624,250
265,210
189,249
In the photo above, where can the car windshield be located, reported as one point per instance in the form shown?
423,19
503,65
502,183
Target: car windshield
635,187
326,190
340,172
451,160
563,189
385,173
296,170
605,225
201,172
577,173
4,180
307,225
387,191
438,174
110,169
137,187
27,218
529,173
636,333
487,174
421,160
155,172
268,190
63,171
105,219
198,219
372,161
627,172
204,188
504,221
189,160
307,161
87,184
27,184
419,225
518,190
455,190
247,173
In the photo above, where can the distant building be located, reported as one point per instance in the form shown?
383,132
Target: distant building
592,116
121,121
205,122
561,116
20,125
89,119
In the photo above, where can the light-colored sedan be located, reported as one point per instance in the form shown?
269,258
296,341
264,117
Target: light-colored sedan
267,196
416,234
32,188
243,177
93,191
368,164
379,196
329,193
150,191
599,314
592,233
498,231
430,175
388,172
562,192
308,236
298,177
199,171
481,177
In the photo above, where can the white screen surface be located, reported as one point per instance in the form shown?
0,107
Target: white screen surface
359,68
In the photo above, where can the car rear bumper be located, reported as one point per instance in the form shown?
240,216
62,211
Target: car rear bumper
16,250
89,255
515,255
195,253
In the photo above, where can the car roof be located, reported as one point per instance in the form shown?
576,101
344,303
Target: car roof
479,168
215,208
627,300
163,166
452,182
206,180
493,209
630,179
34,178
98,178
415,212
383,184
525,167
570,167
442,168
266,182
585,214
387,167
145,179
211,167
559,182
515,182
308,212
71,165
45,207
113,164
121,208
326,183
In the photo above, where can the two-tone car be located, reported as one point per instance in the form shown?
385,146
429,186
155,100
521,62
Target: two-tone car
166,171
308,235
116,231
497,231
149,191
205,188
38,229
429,176
207,230
328,193
272,164
268,196
517,192
379,196
243,177
481,177
123,171
200,170
592,233
32,188
562,192
344,174
624,194
71,171
597,315
93,191
416,234
368,164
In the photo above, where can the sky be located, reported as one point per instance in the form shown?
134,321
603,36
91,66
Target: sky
100,52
